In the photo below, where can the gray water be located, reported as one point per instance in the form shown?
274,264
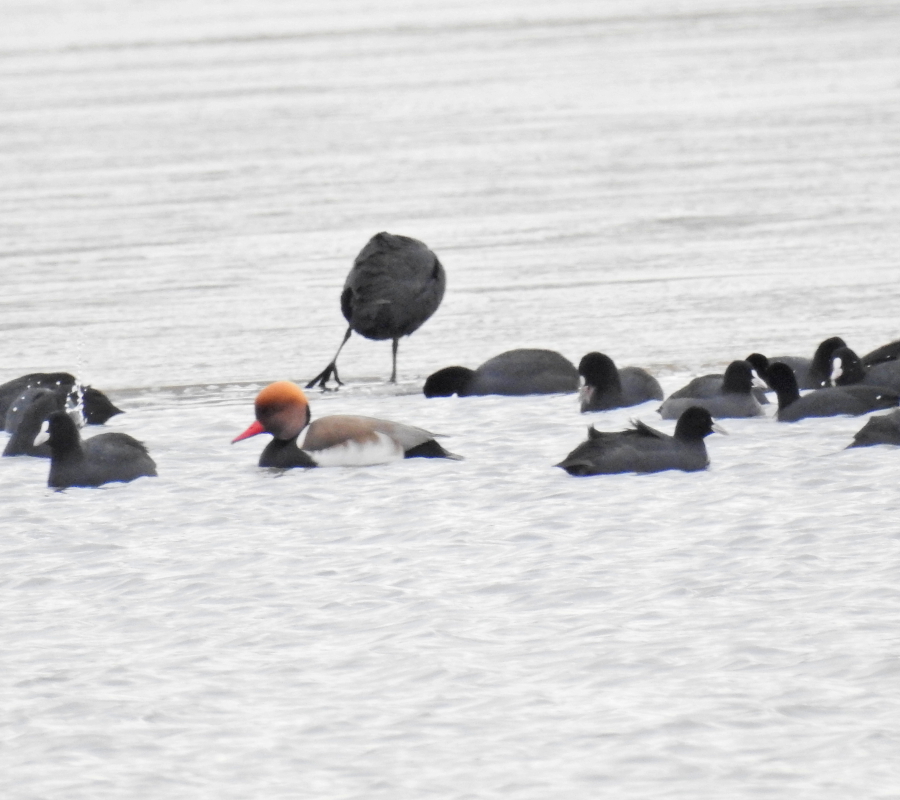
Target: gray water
185,186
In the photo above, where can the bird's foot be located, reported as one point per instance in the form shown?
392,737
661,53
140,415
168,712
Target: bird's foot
324,376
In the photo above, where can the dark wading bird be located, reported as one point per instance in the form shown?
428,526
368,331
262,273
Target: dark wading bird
395,285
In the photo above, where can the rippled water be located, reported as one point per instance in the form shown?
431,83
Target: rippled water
185,187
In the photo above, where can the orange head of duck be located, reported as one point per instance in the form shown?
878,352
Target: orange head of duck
281,409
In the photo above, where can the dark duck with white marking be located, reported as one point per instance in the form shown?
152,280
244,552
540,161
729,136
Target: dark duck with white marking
25,419
97,408
606,386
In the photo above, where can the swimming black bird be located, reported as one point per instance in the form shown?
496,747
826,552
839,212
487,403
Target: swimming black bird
97,407
831,401
395,285
515,372
883,429
644,449
25,419
105,458
728,395
814,373
606,386
848,370
887,352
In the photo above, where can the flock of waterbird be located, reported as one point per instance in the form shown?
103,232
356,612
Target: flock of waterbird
395,285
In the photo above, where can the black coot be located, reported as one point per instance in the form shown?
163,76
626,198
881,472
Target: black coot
515,372
814,373
643,449
606,386
97,407
848,370
395,285
880,355
25,419
105,458
828,402
883,429
728,395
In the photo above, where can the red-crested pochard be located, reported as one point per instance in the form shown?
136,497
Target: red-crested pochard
333,441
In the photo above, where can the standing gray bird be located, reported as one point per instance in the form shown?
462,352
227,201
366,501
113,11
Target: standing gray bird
395,285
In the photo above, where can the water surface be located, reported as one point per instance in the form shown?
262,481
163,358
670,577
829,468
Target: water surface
185,187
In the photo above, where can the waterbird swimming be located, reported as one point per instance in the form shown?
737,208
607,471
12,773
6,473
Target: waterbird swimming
724,396
104,458
395,285
830,401
848,369
812,373
516,372
644,449
338,440
607,386
881,429
25,418
96,407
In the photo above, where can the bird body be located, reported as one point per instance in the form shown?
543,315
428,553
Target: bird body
882,429
105,458
516,372
25,418
97,408
880,355
827,402
338,440
396,283
728,396
644,449
606,386
848,369
813,373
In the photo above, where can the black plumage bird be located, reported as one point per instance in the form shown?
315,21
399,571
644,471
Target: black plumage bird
515,372
96,407
24,420
883,429
830,401
729,395
106,458
644,449
395,285
607,386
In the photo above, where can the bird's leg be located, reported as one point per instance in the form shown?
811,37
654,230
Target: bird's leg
396,341
325,375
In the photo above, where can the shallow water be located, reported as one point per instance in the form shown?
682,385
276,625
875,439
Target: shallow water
185,187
